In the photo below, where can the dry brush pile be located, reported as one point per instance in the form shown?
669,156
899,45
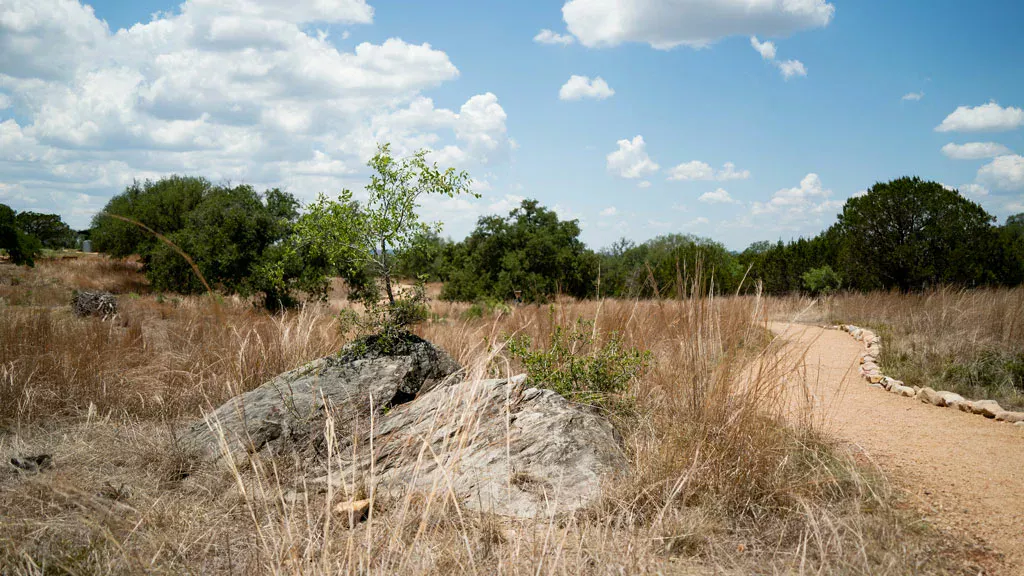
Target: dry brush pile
718,481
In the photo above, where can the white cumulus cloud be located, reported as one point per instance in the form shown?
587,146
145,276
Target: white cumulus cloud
974,189
912,96
766,49
974,150
1004,173
579,87
791,68
665,24
631,159
788,68
719,196
697,170
240,90
693,170
610,211
989,117
546,36
809,197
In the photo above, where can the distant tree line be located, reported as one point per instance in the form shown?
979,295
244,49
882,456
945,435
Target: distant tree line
24,235
907,234
193,236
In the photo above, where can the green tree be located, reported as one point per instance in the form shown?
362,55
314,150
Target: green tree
427,256
822,280
530,252
1012,237
350,236
21,247
234,235
49,229
909,234
227,234
161,205
390,222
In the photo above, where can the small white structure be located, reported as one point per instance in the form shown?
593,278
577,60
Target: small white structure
87,246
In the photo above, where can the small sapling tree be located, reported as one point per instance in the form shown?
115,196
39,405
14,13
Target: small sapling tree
353,238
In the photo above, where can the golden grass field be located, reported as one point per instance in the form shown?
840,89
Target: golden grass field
720,482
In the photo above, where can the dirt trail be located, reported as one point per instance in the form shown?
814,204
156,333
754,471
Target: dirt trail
967,471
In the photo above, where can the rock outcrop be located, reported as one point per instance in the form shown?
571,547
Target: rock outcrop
288,412
496,445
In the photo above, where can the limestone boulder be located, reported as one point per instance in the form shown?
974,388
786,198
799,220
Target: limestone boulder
987,408
498,445
1011,417
929,396
287,413
410,420
950,399
906,391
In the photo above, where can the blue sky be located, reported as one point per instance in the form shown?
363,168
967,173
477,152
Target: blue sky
694,127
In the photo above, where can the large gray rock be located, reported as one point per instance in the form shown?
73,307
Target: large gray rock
497,445
287,413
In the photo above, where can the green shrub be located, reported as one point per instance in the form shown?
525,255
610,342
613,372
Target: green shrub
388,323
20,247
821,281
577,365
485,307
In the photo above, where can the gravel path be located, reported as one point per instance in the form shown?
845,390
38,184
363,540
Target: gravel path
966,471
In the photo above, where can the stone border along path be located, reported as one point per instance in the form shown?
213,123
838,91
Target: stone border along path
871,372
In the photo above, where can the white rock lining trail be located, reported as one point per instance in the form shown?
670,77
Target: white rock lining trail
871,372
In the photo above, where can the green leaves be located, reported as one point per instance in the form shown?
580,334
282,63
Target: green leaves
233,234
822,280
909,234
49,229
579,366
530,252
20,247
352,237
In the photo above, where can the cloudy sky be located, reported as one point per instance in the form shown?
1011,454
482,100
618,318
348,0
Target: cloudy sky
740,120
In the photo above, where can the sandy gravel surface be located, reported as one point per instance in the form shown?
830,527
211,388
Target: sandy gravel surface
966,471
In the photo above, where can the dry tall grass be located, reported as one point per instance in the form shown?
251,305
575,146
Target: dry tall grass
718,483
967,341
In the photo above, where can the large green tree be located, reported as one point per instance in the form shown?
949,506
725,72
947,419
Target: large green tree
1012,235
227,234
20,247
162,205
233,235
909,233
49,229
530,251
